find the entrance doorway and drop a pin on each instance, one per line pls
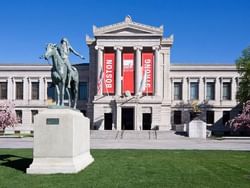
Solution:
(127, 118)
(108, 121)
(146, 121)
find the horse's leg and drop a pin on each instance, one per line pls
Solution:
(76, 94)
(57, 94)
(63, 91)
(69, 97)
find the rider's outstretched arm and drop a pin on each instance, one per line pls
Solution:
(75, 52)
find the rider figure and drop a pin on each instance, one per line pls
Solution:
(64, 50)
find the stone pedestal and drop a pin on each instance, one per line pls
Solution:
(197, 129)
(61, 142)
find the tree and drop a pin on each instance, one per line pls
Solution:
(7, 115)
(243, 66)
(242, 121)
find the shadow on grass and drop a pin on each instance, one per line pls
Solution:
(16, 162)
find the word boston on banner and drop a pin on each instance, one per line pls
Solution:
(109, 75)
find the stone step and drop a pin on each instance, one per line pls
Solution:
(131, 134)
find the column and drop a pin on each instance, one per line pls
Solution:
(184, 89)
(205, 88)
(188, 89)
(221, 89)
(217, 90)
(27, 93)
(166, 79)
(156, 72)
(118, 91)
(234, 89)
(99, 69)
(45, 97)
(9, 90)
(172, 89)
(41, 89)
(138, 69)
(13, 88)
(201, 89)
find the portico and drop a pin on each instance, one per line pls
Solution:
(129, 60)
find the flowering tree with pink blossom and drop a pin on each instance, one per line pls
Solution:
(242, 121)
(8, 116)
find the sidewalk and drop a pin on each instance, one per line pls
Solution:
(180, 142)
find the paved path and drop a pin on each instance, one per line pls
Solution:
(169, 143)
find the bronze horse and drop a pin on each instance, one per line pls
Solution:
(59, 77)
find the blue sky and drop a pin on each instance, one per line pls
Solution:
(205, 31)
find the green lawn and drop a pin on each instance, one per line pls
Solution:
(135, 168)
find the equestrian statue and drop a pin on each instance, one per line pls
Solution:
(64, 76)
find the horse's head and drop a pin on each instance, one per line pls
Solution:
(50, 50)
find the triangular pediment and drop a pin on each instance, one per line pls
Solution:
(128, 27)
(128, 30)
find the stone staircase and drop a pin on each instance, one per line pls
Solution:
(132, 135)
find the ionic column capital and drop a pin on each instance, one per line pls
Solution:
(99, 47)
(156, 48)
(138, 48)
(118, 48)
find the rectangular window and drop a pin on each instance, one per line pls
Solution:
(177, 117)
(226, 91)
(83, 91)
(19, 115)
(177, 91)
(210, 95)
(3, 90)
(210, 117)
(226, 117)
(194, 90)
(51, 95)
(35, 90)
(19, 90)
(33, 113)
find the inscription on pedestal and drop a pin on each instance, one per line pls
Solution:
(52, 121)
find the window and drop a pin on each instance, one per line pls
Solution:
(35, 90)
(177, 91)
(177, 117)
(226, 117)
(3, 90)
(19, 115)
(210, 95)
(33, 113)
(210, 117)
(19, 90)
(83, 91)
(194, 91)
(227, 91)
(51, 91)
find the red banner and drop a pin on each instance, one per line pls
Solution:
(128, 73)
(148, 72)
(108, 73)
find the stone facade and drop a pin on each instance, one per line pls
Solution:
(27, 74)
(175, 86)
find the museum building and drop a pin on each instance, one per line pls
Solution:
(130, 83)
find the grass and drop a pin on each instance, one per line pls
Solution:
(135, 168)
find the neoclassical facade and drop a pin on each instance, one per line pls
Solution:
(117, 100)
(130, 83)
